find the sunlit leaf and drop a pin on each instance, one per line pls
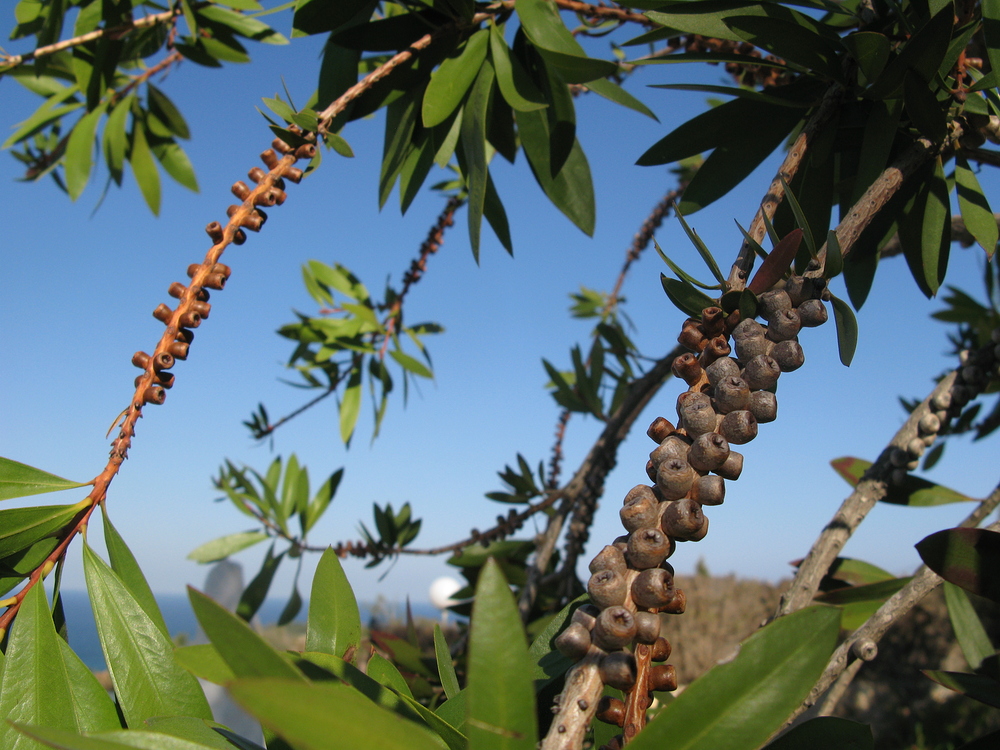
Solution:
(21, 480)
(334, 621)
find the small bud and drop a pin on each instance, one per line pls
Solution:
(708, 452)
(721, 369)
(607, 588)
(659, 429)
(615, 628)
(788, 355)
(573, 642)
(660, 650)
(709, 490)
(732, 468)
(162, 313)
(784, 326)
(731, 394)
(611, 711)
(771, 303)
(647, 626)
(618, 670)
(609, 558)
(140, 360)
(647, 548)
(163, 361)
(240, 190)
(764, 406)
(682, 519)
(674, 478)
(663, 678)
(761, 373)
(739, 427)
(813, 313)
(653, 588)
(640, 508)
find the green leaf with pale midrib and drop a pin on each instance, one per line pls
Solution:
(21, 480)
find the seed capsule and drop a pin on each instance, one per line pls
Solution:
(176, 290)
(256, 174)
(162, 313)
(713, 321)
(574, 641)
(269, 158)
(813, 313)
(682, 519)
(154, 395)
(647, 627)
(640, 508)
(696, 413)
(611, 711)
(653, 588)
(739, 427)
(660, 650)
(239, 237)
(614, 629)
(163, 361)
(279, 145)
(764, 406)
(673, 446)
(788, 355)
(771, 303)
(190, 319)
(663, 678)
(731, 394)
(618, 670)
(678, 604)
(761, 373)
(709, 490)
(659, 429)
(586, 615)
(784, 325)
(716, 348)
(721, 369)
(916, 447)
(609, 558)
(294, 174)
(687, 368)
(732, 468)
(140, 360)
(691, 336)
(929, 425)
(799, 289)
(674, 478)
(647, 548)
(750, 347)
(240, 190)
(708, 452)
(214, 231)
(607, 588)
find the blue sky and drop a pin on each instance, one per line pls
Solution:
(78, 290)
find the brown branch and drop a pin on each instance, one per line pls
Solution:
(115, 32)
(602, 11)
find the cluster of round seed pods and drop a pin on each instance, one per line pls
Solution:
(631, 581)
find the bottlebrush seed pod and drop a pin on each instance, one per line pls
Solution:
(784, 325)
(195, 267)
(769, 304)
(184, 336)
(202, 308)
(972, 374)
(647, 548)
(813, 313)
(713, 321)
(618, 670)
(163, 361)
(232, 209)
(709, 490)
(615, 743)
(708, 452)
(652, 589)
(273, 197)
(660, 650)
(640, 508)
(176, 290)
(721, 369)
(748, 329)
(154, 395)
(739, 427)
(607, 588)
(223, 269)
(574, 641)
(614, 629)
(941, 401)
(294, 174)
(254, 220)
(696, 413)
(239, 237)
(716, 348)
(663, 678)
(190, 319)
(215, 281)
(761, 373)
(162, 313)
(621, 543)
(731, 394)
(166, 379)
(750, 347)
(214, 231)
(667, 567)
(651, 470)
(916, 448)
(140, 360)
(673, 446)
(700, 533)
(678, 604)
(240, 190)
(763, 406)
(732, 467)
(799, 288)
(898, 457)
(609, 558)
(682, 518)
(674, 477)
(586, 615)
(611, 711)
(659, 429)
(279, 145)
(647, 627)
(200, 293)
(305, 151)
(138, 379)
(256, 174)
(692, 338)
(788, 355)
(929, 424)
(269, 158)
(687, 368)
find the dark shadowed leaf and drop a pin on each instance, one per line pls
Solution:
(969, 630)
(685, 296)
(914, 491)
(825, 733)
(976, 686)
(256, 591)
(515, 84)
(847, 330)
(969, 558)
(975, 209)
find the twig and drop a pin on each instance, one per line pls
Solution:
(577, 705)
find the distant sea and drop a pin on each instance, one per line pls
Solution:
(180, 619)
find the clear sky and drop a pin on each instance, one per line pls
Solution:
(78, 288)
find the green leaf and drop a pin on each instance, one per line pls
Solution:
(167, 112)
(334, 621)
(319, 16)
(826, 733)
(685, 297)
(256, 591)
(572, 188)
(935, 231)
(42, 117)
(144, 168)
(791, 41)
(410, 364)
(871, 51)
(21, 480)
(969, 630)
(446, 669)
(43, 682)
(544, 27)
(243, 25)
(119, 740)
(452, 79)
(701, 247)
(292, 608)
(350, 406)
(615, 93)
(473, 149)
(501, 698)
(975, 209)
(245, 653)
(224, 546)
(914, 491)
(176, 164)
(79, 158)
(991, 31)
(322, 716)
(385, 673)
(205, 662)
(496, 215)
(847, 330)
(22, 527)
(922, 54)
(834, 256)
(878, 591)
(969, 558)
(116, 137)
(976, 686)
(741, 703)
(856, 572)
(124, 564)
(518, 90)
(147, 679)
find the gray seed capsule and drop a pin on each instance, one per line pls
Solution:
(784, 325)
(652, 589)
(732, 468)
(788, 355)
(647, 548)
(708, 452)
(609, 558)
(640, 508)
(618, 670)
(739, 427)
(607, 588)
(813, 313)
(726, 367)
(614, 629)
(709, 490)
(574, 641)
(764, 406)
(682, 519)
(761, 373)
(731, 394)
(771, 303)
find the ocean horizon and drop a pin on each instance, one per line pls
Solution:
(180, 619)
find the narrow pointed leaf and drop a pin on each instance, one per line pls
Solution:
(123, 563)
(701, 247)
(976, 686)
(847, 330)
(826, 733)
(473, 144)
(446, 669)
(256, 591)
(79, 158)
(144, 168)
(777, 263)
(334, 621)
(975, 209)
(685, 297)
(518, 90)
(21, 480)
(452, 79)
(224, 546)
(800, 218)
(966, 557)
(834, 256)
(969, 630)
